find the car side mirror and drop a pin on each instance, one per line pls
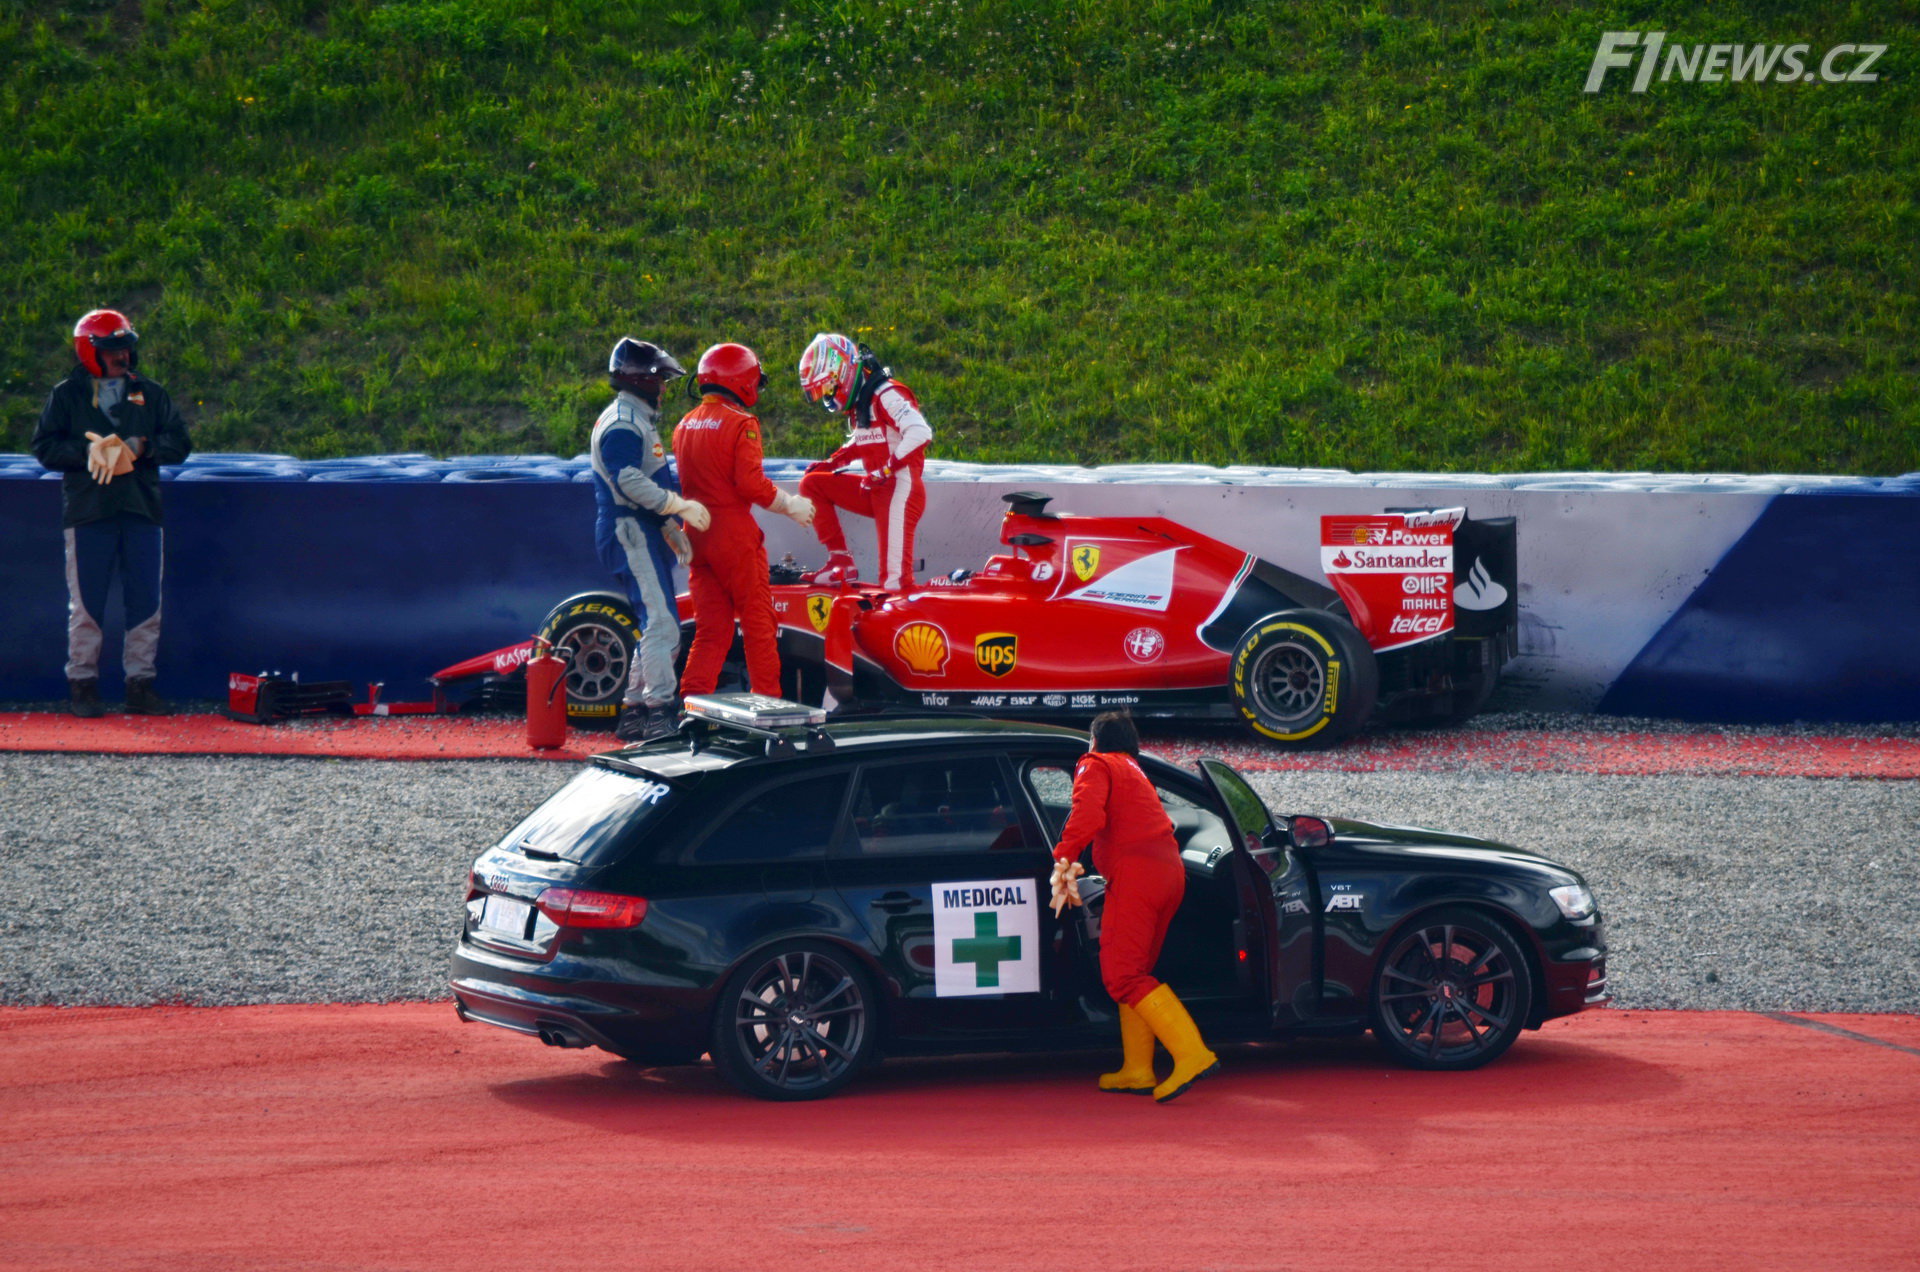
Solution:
(1309, 832)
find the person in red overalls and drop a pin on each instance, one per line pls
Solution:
(716, 447)
(889, 437)
(1116, 807)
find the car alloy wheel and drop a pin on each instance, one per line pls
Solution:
(1453, 992)
(795, 1023)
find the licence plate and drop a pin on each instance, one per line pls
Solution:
(505, 915)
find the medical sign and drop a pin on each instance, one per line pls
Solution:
(986, 937)
(1394, 571)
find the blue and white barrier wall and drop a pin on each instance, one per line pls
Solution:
(1729, 598)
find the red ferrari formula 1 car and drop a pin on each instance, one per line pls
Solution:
(1083, 614)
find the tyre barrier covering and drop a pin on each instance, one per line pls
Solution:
(1724, 596)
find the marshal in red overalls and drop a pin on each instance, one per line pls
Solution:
(1117, 808)
(717, 448)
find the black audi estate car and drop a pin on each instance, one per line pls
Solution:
(797, 898)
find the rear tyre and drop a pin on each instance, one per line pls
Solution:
(797, 1021)
(1453, 991)
(598, 636)
(1304, 678)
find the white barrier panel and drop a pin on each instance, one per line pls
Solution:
(1601, 570)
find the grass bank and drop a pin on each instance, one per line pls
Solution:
(1360, 235)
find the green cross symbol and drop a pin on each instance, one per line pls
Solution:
(986, 949)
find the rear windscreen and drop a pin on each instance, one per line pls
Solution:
(593, 818)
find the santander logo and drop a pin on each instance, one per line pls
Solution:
(1480, 591)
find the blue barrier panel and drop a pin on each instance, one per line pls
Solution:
(1813, 615)
(1703, 596)
(336, 580)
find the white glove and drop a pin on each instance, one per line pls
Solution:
(691, 511)
(799, 507)
(677, 540)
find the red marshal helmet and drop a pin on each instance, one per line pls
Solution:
(104, 329)
(732, 367)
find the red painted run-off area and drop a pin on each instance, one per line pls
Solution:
(393, 1137)
(1697, 754)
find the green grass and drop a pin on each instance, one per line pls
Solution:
(1316, 233)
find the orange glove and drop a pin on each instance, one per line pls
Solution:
(1066, 884)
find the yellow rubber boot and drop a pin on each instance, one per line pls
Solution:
(1168, 1019)
(1135, 1076)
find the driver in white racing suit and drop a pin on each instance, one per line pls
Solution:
(637, 527)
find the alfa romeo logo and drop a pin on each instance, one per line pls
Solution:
(1144, 644)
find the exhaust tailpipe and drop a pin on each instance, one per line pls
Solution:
(561, 1036)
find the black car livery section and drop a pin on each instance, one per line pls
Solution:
(797, 900)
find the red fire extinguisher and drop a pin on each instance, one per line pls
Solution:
(546, 698)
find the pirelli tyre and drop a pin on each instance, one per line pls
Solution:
(1304, 678)
(597, 634)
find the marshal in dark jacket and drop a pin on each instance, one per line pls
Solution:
(60, 443)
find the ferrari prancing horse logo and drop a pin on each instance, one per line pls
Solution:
(819, 610)
(1086, 560)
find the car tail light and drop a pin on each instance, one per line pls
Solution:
(582, 908)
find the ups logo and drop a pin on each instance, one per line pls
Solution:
(997, 653)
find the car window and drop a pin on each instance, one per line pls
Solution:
(1200, 832)
(1052, 788)
(940, 806)
(781, 823)
(593, 817)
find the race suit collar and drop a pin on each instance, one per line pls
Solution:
(647, 411)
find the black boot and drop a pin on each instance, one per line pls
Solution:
(632, 725)
(142, 700)
(83, 699)
(643, 724)
(662, 722)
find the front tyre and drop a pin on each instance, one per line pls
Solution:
(598, 636)
(1304, 678)
(1453, 991)
(795, 1022)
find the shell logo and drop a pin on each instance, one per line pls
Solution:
(923, 648)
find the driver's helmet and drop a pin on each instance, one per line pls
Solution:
(830, 371)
